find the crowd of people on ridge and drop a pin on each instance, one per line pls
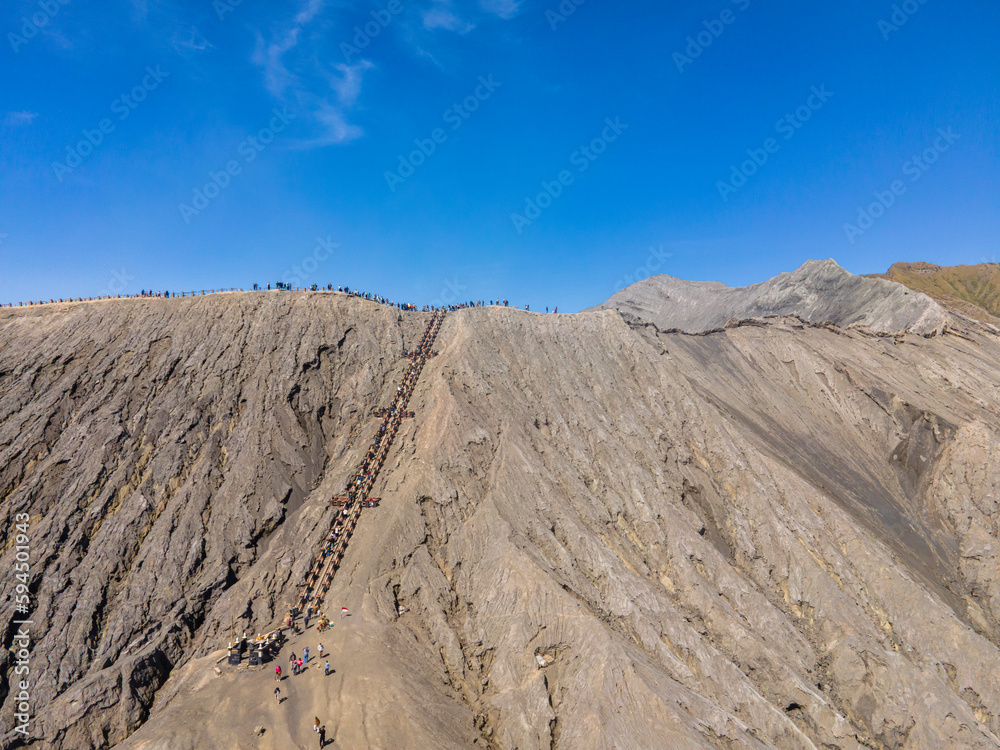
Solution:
(282, 286)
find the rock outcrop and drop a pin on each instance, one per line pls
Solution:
(818, 292)
(595, 533)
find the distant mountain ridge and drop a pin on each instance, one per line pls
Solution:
(818, 291)
(971, 290)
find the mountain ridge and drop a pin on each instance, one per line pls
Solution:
(818, 291)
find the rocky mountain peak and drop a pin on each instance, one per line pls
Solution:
(819, 291)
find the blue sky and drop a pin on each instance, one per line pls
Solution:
(467, 149)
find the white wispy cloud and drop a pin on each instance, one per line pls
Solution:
(441, 16)
(348, 83)
(330, 127)
(452, 16)
(290, 56)
(16, 119)
(331, 121)
(506, 9)
(291, 67)
(190, 39)
(270, 55)
(308, 13)
(335, 128)
(425, 38)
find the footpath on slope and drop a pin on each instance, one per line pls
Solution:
(360, 484)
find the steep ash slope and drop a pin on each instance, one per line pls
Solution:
(777, 535)
(157, 445)
(717, 539)
(819, 292)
